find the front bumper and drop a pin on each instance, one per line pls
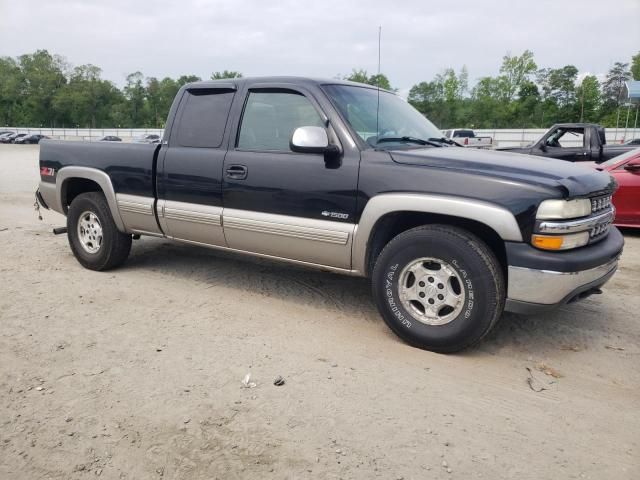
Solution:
(539, 281)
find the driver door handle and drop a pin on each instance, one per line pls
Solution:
(237, 172)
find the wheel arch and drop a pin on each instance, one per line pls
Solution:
(388, 215)
(72, 181)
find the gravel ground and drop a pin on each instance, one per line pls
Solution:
(137, 373)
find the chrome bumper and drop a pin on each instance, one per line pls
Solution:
(529, 288)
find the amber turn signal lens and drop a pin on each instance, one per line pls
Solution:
(547, 242)
(560, 242)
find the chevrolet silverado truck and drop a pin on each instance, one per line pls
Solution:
(573, 142)
(347, 178)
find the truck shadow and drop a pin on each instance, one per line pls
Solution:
(570, 327)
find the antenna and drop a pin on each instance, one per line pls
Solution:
(378, 84)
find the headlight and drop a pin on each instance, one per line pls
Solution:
(560, 242)
(562, 209)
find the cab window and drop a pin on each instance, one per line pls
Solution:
(270, 118)
(203, 117)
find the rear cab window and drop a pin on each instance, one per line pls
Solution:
(464, 134)
(203, 117)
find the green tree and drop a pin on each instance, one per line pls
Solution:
(588, 95)
(44, 75)
(135, 94)
(361, 76)
(153, 96)
(12, 83)
(526, 107)
(487, 103)
(558, 97)
(614, 85)
(428, 99)
(515, 70)
(86, 98)
(635, 66)
(613, 92)
(184, 79)
(225, 74)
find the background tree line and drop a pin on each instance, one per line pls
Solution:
(525, 96)
(41, 89)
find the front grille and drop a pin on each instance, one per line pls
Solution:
(599, 232)
(599, 204)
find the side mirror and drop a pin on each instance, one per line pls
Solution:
(633, 167)
(543, 147)
(309, 140)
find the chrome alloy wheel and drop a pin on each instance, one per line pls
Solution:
(431, 290)
(89, 232)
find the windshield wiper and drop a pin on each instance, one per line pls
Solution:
(419, 141)
(444, 140)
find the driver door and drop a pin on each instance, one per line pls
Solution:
(281, 203)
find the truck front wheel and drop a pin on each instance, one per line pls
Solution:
(438, 287)
(94, 238)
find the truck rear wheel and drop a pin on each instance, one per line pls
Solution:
(438, 287)
(93, 236)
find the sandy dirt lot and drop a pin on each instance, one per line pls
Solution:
(137, 373)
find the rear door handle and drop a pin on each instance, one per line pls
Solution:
(237, 172)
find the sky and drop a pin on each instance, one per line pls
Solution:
(322, 38)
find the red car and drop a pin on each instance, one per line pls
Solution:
(626, 170)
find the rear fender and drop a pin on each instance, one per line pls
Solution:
(98, 176)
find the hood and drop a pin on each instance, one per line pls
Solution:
(515, 149)
(574, 180)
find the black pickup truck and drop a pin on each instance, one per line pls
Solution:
(343, 177)
(573, 142)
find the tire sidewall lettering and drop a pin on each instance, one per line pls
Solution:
(394, 306)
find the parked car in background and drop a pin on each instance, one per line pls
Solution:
(467, 138)
(633, 141)
(626, 170)
(30, 139)
(149, 138)
(12, 137)
(6, 132)
(573, 142)
(110, 138)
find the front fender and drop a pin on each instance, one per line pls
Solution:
(498, 218)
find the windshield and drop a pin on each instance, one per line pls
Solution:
(396, 119)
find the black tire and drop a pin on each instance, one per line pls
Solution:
(115, 246)
(470, 258)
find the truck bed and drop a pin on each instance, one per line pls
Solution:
(130, 165)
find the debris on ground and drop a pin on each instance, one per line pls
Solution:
(246, 381)
(547, 370)
(572, 348)
(533, 383)
(279, 381)
(613, 347)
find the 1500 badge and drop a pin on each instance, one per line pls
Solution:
(343, 216)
